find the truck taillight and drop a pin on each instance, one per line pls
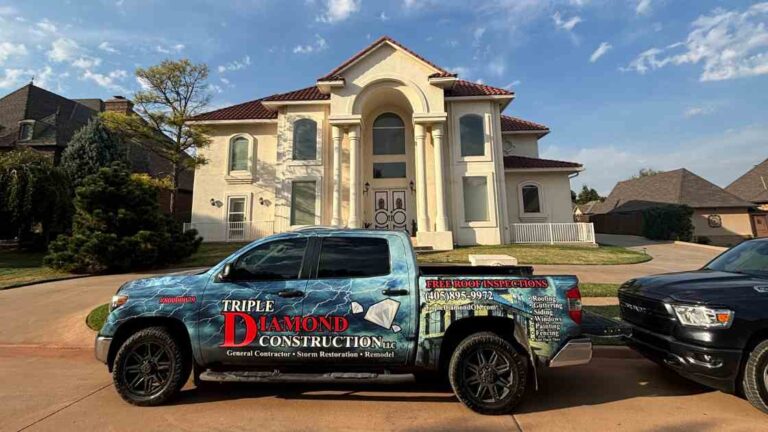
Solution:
(574, 304)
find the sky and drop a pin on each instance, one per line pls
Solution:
(622, 84)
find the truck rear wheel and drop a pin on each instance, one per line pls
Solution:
(150, 368)
(756, 377)
(487, 374)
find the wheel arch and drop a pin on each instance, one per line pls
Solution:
(128, 328)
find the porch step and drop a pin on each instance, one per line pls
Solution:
(277, 376)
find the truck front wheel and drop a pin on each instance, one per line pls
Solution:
(150, 368)
(756, 377)
(487, 374)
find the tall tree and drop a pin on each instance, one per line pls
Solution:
(172, 92)
(91, 148)
(587, 194)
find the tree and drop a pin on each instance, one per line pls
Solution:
(588, 194)
(91, 148)
(172, 92)
(118, 226)
(573, 196)
(646, 172)
(35, 197)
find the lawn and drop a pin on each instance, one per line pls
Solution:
(95, 319)
(17, 267)
(609, 311)
(598, 289)
(209, 254)
(542, 254)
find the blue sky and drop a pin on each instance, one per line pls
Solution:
(623, 84)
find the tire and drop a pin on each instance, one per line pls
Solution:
(487, 374)
(755, 382)
(150, 368)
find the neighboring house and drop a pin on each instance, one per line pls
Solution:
(753, 186)
(36, 118)
(718, 216)
(386, 140)
(582, 212)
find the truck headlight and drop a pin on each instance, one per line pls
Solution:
(702, 316)
(117, 301)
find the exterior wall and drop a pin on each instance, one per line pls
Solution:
(736, 225)
(554, 193)
(521, 145)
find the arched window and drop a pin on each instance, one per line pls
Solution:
(388, 135)
(472, 135)
(304, 140)
(238, 154)
(531, 198)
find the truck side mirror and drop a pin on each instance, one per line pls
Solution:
(226, 272)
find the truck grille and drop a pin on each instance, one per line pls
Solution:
(645, 312)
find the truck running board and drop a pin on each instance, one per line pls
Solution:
(276, 376)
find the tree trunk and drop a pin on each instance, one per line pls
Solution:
(174, 188)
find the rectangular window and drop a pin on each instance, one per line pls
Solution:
(238, 160)
(389, 170)
(26, 131)
(475, 199)
(347, 257)
(531, 202)
(303, 196)
(236, 219)
(304, 140)
(277, 260)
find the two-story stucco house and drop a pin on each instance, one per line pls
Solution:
(387, 140)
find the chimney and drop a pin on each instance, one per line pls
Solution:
(119, 104)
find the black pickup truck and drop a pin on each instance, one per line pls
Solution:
(709, 325)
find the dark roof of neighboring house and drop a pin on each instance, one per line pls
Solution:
(334, 74)
(587, 207)
(522, 162)
(514, 124)
(672, 187)
(753, 185)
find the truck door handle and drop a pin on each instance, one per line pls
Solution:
(290, 293)
(394, 292)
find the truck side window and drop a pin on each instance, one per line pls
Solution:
(347, 257)
(276, 260)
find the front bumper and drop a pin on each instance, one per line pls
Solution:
(714, 367)
(101, 348)
(575, 352)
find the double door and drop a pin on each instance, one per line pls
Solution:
(390, 210)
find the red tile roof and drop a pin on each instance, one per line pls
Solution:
(305, 94)
(443, 75)
(467, 88)
(244, 111)
(332, 75)
(522, 162)
(514, 124)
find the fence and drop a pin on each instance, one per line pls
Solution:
(629, 223)
(233, 231)
(553, 233)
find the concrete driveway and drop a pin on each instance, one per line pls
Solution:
(667, 257)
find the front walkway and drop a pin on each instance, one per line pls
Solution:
(667, 257)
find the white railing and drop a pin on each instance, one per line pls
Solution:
(552, 233)
(233, 231)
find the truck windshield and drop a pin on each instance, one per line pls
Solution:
(750, 257)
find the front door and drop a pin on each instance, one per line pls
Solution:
(390, 210)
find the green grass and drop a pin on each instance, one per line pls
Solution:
(95, 319)
(610, 311)
(598, 289)
(542, 254)
(19, 267)
(209, 254)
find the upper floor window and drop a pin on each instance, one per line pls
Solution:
(304, 140)
(472, 135)
(531, 198)
(26, 130)
(238, 154)
(388, 135)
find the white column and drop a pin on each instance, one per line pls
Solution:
(421, 180)
(441, 222)
(336, 136)
(354, 176)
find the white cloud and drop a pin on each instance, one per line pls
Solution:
(338, 10)
(14, 77)
(695, 111)
(462, 71)
(512, 85)
(497, 66)
(729, 44)
(705, 156)
(477, 34)
(600, 51)
(643, 7)
(108, 81)
(383, 16)
(565, 24)
(8, 50)
(63, 49)
(319, 45)
(105, 46)
(169, 49)
(86, 62)
(7, 10)
(46, 26)
(235, 65)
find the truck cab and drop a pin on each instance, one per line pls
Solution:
(330, 304)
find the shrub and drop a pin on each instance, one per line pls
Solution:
(118, 226)
(91, 148)
(668, 222)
